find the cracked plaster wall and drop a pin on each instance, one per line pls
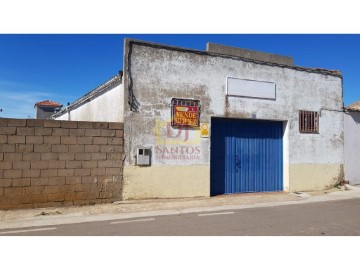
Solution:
(159, 74)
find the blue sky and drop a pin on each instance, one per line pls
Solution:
(63, 67)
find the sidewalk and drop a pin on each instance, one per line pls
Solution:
(142, 208)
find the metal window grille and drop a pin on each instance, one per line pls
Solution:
(308, 122)
(182, 102)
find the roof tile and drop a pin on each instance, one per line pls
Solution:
(48, 103)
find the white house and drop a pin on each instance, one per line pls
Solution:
(227, 120)
(352, 143)
(104, 103)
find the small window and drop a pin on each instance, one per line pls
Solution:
(308, 122)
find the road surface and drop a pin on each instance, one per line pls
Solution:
(333, 218)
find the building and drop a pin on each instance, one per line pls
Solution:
(221, 121)
(352, 143)
(216, 122)
(104, 103)
(45, 109)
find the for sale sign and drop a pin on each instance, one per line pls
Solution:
(185, 113)
(186, 116)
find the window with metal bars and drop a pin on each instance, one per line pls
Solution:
(308, 122)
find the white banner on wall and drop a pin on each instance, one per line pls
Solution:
(250, 88)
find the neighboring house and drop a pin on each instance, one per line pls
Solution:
(218, 122)
(352, 143)
(45, 109)
(104, 103)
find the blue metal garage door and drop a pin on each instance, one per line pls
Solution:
(246, 156)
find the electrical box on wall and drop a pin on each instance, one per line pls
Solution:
(143, 156)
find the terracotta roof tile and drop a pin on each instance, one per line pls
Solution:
(48, 103)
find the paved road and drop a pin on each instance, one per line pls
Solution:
(338, 218)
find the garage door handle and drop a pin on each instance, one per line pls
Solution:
(237, 163)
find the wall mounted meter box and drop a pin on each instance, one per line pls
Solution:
(143, 156)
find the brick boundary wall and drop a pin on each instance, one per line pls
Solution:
(45, 163)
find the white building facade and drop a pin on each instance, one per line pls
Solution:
(104, 103)
(352, 143)
(217, 123)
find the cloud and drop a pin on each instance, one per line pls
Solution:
(20, 105)
(17, 99)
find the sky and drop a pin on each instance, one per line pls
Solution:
(64, 67)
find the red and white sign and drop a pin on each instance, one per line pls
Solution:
(185, 116)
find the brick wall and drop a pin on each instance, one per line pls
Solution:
(52, 163)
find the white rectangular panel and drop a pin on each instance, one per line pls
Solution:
(250, 88)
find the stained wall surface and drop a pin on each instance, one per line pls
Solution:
(181, 158)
